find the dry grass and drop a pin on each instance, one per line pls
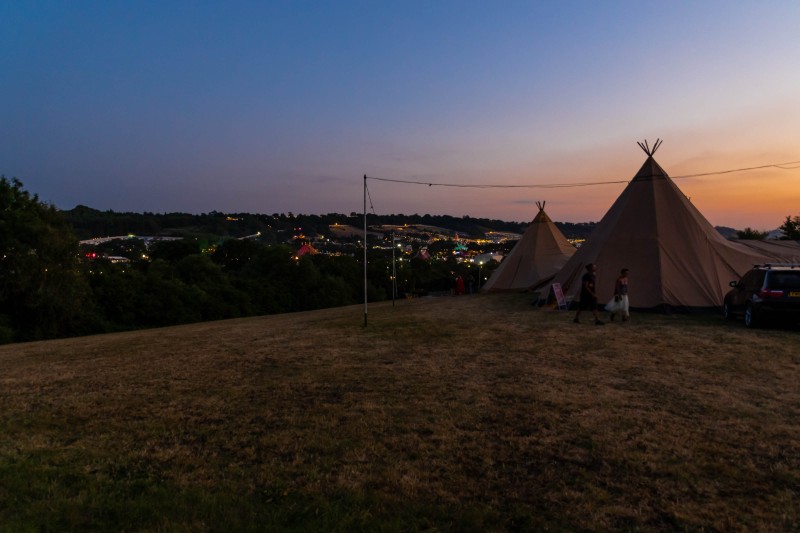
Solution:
(468, 413)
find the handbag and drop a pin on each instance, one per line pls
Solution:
(614, 304)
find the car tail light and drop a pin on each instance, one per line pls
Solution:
(770, 293)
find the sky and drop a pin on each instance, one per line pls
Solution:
(284, 106)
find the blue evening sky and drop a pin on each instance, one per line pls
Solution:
(284, 106)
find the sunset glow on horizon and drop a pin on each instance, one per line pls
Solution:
(280, 107)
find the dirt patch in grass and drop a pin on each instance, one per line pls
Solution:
(475, 412)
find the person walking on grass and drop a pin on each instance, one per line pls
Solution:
(588, 299)
(459, 285)
(619, 303)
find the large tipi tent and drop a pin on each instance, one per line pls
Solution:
(675, 256)
(538, 255)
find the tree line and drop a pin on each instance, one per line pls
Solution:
(89, 223)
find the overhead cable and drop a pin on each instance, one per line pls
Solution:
(781, 166)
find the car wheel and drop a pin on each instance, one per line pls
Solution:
(749, 317)
(726, 311)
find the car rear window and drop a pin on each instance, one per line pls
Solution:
(785, 280)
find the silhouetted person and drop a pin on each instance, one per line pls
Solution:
(588, 298)
(459, 285)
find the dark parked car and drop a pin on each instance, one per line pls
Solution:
(766, 294)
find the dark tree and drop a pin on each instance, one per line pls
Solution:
(791, 228)
(42, 292)
(174, 251)
(751, 234)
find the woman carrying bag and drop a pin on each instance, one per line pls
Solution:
(619, 303)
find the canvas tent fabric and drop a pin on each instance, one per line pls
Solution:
(306, 249)
(534, 260)
(675, 256)
(790, 250)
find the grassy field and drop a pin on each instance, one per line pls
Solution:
(448, 414)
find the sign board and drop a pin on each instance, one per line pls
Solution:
(562, 302)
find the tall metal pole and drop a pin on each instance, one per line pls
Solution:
(365, 250)
(394, 274)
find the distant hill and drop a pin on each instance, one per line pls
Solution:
(728, 233)
(278, 227)
(89, 223)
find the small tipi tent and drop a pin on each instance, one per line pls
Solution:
(538, 255)
(675, 256)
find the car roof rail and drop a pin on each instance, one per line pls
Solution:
(784, 265)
